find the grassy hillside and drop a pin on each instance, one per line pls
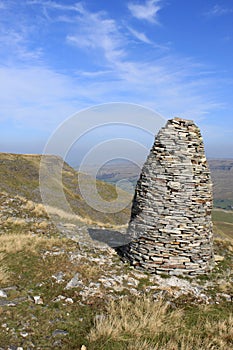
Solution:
(223, 223)
(19, 175)
(56, 293)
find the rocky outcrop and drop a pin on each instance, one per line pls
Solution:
(171, 214)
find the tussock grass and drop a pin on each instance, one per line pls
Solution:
(29, 205)
(143, 318)
(43, 225)
(15, 221)
(147, 324)
(4, 273)
(13, 243)
(226, 243)
(74, 218)
(39, 210)
(66, 216)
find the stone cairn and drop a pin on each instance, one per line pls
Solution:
(171, 213)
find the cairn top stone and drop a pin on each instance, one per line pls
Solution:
(171, 213)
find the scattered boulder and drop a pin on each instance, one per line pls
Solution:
(74, 282)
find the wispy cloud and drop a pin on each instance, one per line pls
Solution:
(143, 38)
(147, 11)
(39, 96)
(140, 36)
(78, 7)
(16, 42)
(94, 74)
(17, 36)
(117, 73)
(96, 31)
(218, 10)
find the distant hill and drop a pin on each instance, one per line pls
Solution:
(222, 177)
(125, 174)
(221, 174)
(19, 175)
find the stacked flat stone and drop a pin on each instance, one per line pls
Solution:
(171, 213)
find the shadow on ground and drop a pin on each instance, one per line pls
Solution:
(112, 238)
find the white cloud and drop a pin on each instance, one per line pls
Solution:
(94, 74)
(165, 84)
(17, 35)
(147, 12)
(78, 7)
(41, 97)
(218, 10)
(38, 96)
(140, 36)
(16, 43)
(95, 31)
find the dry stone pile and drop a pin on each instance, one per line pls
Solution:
(171, 214)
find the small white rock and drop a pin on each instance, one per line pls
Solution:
(69, 300)
(2, 294)
(74, 282)
(38, 300)
(24, 334)
(59, 298)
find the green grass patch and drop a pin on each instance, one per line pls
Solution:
(223, 216)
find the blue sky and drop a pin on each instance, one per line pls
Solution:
(59, 57)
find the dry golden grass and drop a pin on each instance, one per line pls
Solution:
(66, 216)
(142, 345)
(29, 205)
(221, 331)
(43, 225)
(76, 218)
(13, 243)
(39, 210)
(227, 242)
(4, 274)
(142, 318)
(150, 325)
(15, 221)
